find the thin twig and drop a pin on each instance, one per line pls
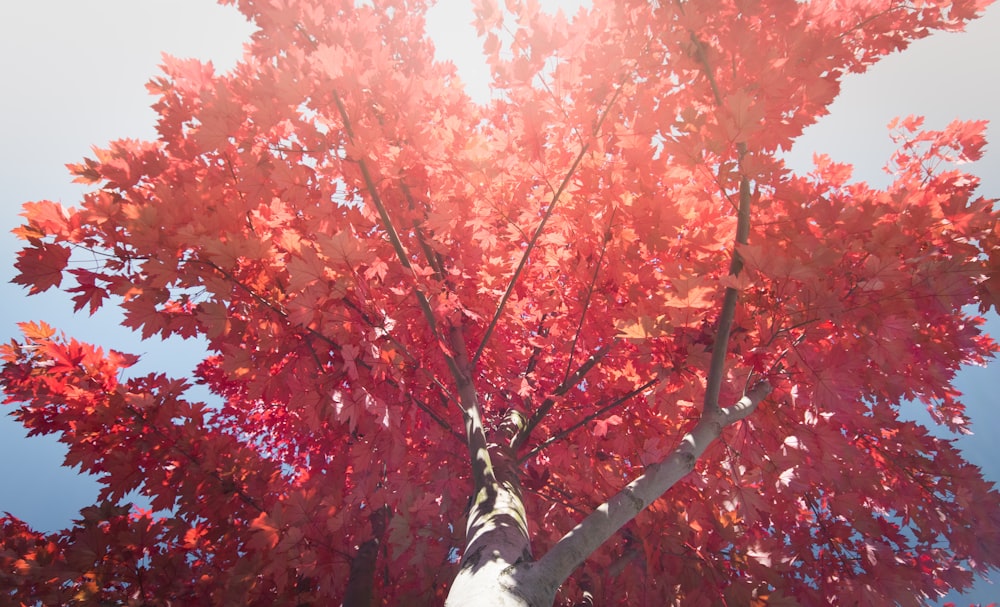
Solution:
(316, 334)
(563, 433)
(538, 231)
(587, 298)
(390, 229)
(568, 384)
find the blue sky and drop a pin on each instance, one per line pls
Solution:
(74, 75)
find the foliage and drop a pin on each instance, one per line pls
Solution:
(413, 303)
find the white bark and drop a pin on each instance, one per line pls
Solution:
(574, 547)
(493, 575)
(496, 566)
(496, 584)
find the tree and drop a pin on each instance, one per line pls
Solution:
(591, 343)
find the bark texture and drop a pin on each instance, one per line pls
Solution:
(495, 574)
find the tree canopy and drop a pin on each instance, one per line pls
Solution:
(589, 341)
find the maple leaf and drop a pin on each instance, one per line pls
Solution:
(215, 317)
(36, 331)
(307, 269)
(601, 425)
(643, 328)
(343, 248)
(220, 118)
(40, 267)
(489, 16)
(89, 294)
(744, 115)
(46, 217)
(143, 314)
(266, 534)
(331, 60)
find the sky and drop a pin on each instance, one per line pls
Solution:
(73, 76)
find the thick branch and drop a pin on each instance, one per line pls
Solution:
(574, 547)
(720, 346)
(496, 534)
(360, 591)
(475, 434)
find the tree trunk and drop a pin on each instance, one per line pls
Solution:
(361, 582)
(497, 570)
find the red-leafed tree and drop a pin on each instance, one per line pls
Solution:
(589, 343)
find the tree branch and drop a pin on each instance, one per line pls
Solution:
(494, 506)
(360, 590)
(720, 346)
(587, 297)
(314, 333)
(580, 542)
(562, 433)
(482, 465)
(390, 229)
(536, 352)
(538, 231)
(527, 252)
(433, 259)
(568, 384)
(264, 302)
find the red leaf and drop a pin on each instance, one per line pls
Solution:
(89, 294)
(601, 426)
(265, 536)
(40, 267)
(45, 215)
